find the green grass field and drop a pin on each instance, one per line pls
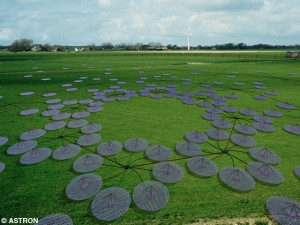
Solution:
(38, 190)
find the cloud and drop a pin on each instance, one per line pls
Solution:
(95, 21)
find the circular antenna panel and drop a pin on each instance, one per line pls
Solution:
(28, 112)
(84, 186)
(56, 125)
(245, 129)
(77, 123)
(80, 115)
(109, 148)
(264, 155)
(88, 139)
(61, 116)
(87, 163)
(56, 219)
(2, 166)
(32, 134)
(236, 178)
(35, 156)
(91, 128)
(297, 171)
(66, 152)
(202, 166)
(158, 153)
(265, 173)
(273, 113)
(222, 124)
(21, 147)
(3, 140)
(217, 134)
(284, 210)
(150, 195)
(248, 112)
(196, 136)
(293, 129)
(188, 148)
(168, 172)
(264, 127)
(136, 144)
(243, 140)
(111, 203)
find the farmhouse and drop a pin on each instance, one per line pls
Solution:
(37, 48)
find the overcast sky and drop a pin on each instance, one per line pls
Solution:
(82, 22)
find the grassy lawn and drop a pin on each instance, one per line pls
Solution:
(39, 190)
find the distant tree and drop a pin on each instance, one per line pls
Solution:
(21, 45)
(138, 46)
(47, 47)
(107, 46)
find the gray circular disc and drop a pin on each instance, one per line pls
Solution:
(263, 119)
(273, 113)
(136, 144)
(3, 140)
(61, 116)
(94, 109)
(265, 173)
(297, 171)
(80, 115)
(285, 106)
(202, 166)
(243, 140)
(284, 210)
(150, 195)
(210, 116)
(188, 148)
(111, 203)
(196, 136)
(56, 125)
(84, 186)
(167, 172)
(264, 155)
(77, 123)
(32, 134)
(293, 129)
(88, 139)
(66, 152)
(248, 112)
(109, 148)
(55, 107)
(264, 127)
(55, 219)
(91, 128)
(50, 112)
(28, 112)
(245, 129)
(158, 153)
(21, 147)
(222, 124)
(87, 163)
(70, 102)
(217, 134)
(236, 178)
(35, 156)
(2, 166)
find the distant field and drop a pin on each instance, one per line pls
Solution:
(38, 190)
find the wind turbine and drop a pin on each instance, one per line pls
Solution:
(189, 33)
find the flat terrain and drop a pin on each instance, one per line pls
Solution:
(38, 190)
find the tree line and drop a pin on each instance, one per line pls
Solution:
(22, 45)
